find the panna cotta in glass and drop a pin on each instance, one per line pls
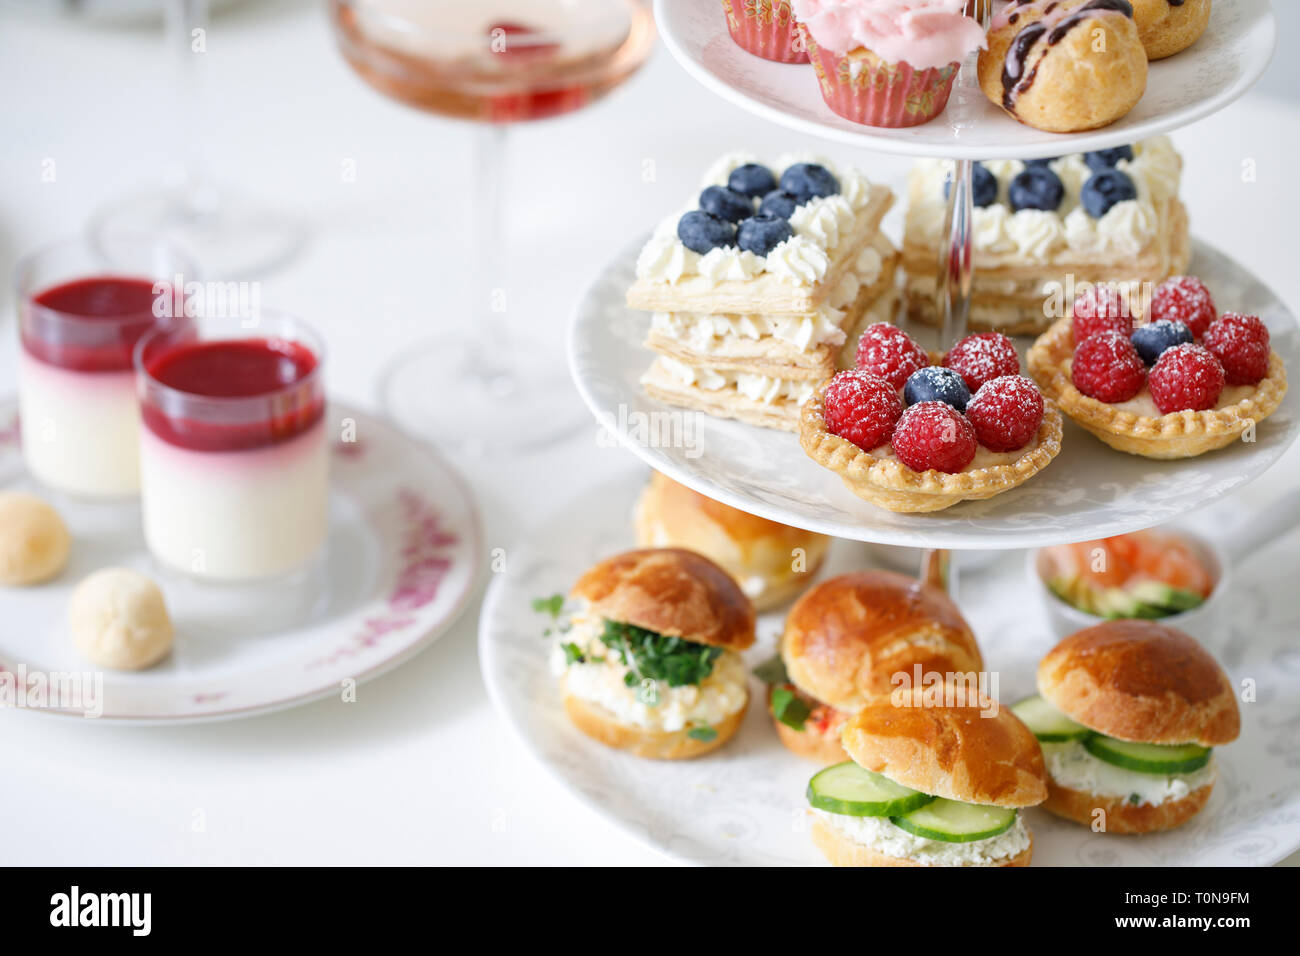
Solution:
(233, 446)
(81, 313)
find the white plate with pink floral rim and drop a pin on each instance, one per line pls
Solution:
(1223, 64)
(402, 560)
(744, 804)
(1088, 491)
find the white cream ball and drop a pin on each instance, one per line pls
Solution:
(119, 620)
(34, 541)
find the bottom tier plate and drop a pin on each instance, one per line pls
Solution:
(400, 565)
(1089, 491)
(744, 804)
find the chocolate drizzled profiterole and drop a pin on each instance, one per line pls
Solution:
(1064, 65)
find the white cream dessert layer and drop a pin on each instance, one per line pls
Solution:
(601, 681)
(703, 332)
(759, 388)
(1038, 235)
(236, 515)
(80, 430)
(882, 836)
(1072, 767)
(801, 260)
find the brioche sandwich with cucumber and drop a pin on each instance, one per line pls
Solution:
(649, 661)
(929, 785)
(1127, 713)
(843, 643)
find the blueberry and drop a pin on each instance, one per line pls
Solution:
(1152, 339)
(807, 181)
(1036, 187)
(778, 203)
(701, 232)
(751, 180)
(984, 186)
(761, 234)
(1107, 158)
(1041, 162)
(1104, 189)
(934, 383)
(725, 204)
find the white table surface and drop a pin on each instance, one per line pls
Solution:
(419, 769)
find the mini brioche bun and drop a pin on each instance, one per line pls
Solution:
(673, 592)
(1122, 816)
(747, 547)
(846, 638)
(812, 742)
(602, 725)
(841, 851)
(1143, 682)
(958, 752)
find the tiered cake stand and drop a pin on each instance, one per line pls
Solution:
(1090, 491)
(744, 806)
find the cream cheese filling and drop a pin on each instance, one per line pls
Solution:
(1072, 767)
(881, 835)
(653, 704)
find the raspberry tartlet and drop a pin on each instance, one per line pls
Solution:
(914, 437)
(1186, 382)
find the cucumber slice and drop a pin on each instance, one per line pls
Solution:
(1046, 722)
(1172, 600)
(853, 791)
(953, 822)
(1148, 758)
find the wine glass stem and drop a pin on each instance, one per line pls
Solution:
(489, 352)
(186, 36)
(956, 269)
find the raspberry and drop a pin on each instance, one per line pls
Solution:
(1240, 343)
(888, 352)
(1006, 412)
(861, 408)
(1184, 299)
(1098, 308)
(1187, 377)
(1108, 368)
(978, 358)
(934, 435)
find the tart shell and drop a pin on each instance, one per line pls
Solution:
(890, 484)
(1176, 435)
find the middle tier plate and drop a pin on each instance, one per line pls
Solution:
(1089, 491)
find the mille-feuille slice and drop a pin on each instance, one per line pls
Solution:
(1043, 225)
(760, 239)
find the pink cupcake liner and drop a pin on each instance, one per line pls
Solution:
(765, 28)
(878, 93)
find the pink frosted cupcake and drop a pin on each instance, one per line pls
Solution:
(765, 28)
(887, 62)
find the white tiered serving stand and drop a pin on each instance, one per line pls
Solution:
(1090, 490)
(742, 806)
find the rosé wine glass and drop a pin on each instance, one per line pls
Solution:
(493, 62)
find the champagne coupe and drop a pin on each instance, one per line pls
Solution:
(493, 62)
(231, 235)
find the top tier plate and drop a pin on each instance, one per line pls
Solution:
(1222, 65)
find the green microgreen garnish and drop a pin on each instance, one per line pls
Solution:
(573, 654)
(703, 733)
(552, 605)
(650, 656)
(772, 671)
(788, 708)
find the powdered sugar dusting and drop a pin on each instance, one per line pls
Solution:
(1184, 299)
(978, 358)
(1241, 344)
